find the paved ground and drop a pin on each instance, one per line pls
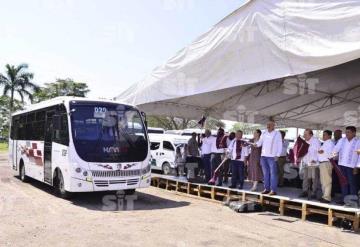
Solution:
(30, 215)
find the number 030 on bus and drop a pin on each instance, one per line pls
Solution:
(81, 145)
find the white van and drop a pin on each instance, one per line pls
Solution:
(162, 149)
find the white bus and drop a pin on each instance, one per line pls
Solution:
(81, 145)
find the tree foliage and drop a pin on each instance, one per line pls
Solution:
(16, 81)
(62, 87)
(5, 113)
(247, 128)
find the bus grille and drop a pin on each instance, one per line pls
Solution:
(118, 173)
(106, 183)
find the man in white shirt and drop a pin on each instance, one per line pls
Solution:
(310, 165)
(271, 144)
(348, 159)
(206, 154)
(282, 159)
(239, 152)
(216, 153)
(324, 154)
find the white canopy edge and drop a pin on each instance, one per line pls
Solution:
(263, 42)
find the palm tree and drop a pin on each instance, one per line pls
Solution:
(17, 80)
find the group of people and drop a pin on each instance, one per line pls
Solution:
(262, 159)
(340, 153)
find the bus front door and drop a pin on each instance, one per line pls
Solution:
(48, 146)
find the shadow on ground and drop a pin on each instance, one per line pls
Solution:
(114, 201)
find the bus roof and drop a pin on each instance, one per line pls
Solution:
(62, 99)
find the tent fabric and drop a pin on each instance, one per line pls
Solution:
(294, 60)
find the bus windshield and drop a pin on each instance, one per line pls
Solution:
(108, 132)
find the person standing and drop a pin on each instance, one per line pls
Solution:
(238, 154)
(225, 142)
(324, 154)
(309, 165)
(271, 147)
(180, 160)
(282, 158)
(254, 167)
(337, 136)
(336, 188)
(193, 152)
(216, 153)
(206, 154)
(193, 146)
(348, 159)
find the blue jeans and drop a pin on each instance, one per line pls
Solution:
(237, 168)
(350, 188)
(269, 168)
(207, 166)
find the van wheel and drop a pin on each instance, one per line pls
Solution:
(22, 174)
(166, 168)
(60, 186)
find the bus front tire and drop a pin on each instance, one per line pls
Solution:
(22, 174)
(59, 186)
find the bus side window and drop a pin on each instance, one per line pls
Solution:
(29, 133)
(38, 130)
(14, 133)
(22, 127)
(29, 130)
(39, 126)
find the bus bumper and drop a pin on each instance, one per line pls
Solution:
(110, 184)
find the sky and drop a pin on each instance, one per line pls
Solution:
(108, 44)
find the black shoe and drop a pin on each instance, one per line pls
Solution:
(322, 200)
(265, 192)
(272, 193)
(240, 187)
(219, 184)
(303, 194)
(232, 186)
(340, 202)
(313, 197)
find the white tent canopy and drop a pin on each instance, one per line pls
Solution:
(293, 60)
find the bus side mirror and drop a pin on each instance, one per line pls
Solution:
(57, 122)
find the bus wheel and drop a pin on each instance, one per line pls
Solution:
(22, 174)
(166, 168)
(60, 187)
(129, 192)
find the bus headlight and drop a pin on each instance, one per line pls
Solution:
(146, 170)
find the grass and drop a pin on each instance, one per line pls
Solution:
(3, 147)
